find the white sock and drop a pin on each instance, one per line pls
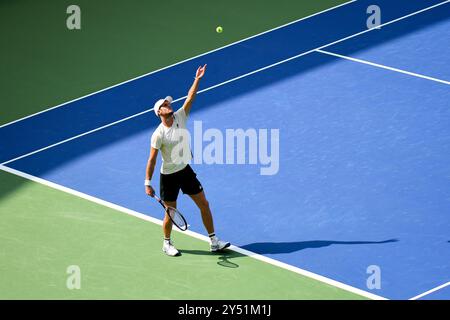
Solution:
(212, 237)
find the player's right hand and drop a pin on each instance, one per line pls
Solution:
(150, 191)
(200, 72)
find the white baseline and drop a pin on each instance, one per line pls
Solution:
(196, 235)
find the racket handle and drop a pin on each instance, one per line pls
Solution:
(160, 201)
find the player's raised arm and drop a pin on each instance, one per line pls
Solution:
(193, 91)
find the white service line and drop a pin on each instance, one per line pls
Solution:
(385, 24)
(75, 137)
(180, 62)
(223, 83)
(383, 66)
(196, 235)
(430, 291)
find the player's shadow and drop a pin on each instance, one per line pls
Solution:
(289, 247)
(226, 258)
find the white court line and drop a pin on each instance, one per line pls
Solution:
(78, 136)
(228, 81)
(196, 235)
(146, 111)
(383, 67)
(430, 291)
(180, 62)
(385, 24)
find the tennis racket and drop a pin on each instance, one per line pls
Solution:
(175, 216)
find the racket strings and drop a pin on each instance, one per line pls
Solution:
(176, 218)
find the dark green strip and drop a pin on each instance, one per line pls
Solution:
(45, 64)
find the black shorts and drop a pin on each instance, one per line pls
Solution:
(186, 180)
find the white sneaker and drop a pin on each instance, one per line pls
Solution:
(169, 249)
(217, 245)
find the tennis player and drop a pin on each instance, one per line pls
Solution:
(176, 174)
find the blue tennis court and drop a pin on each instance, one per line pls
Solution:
(364, 144)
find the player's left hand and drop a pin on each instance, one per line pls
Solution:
(200, 72)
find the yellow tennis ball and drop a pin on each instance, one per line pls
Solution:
(219, 29)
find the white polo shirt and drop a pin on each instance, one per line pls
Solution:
(166, 139)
